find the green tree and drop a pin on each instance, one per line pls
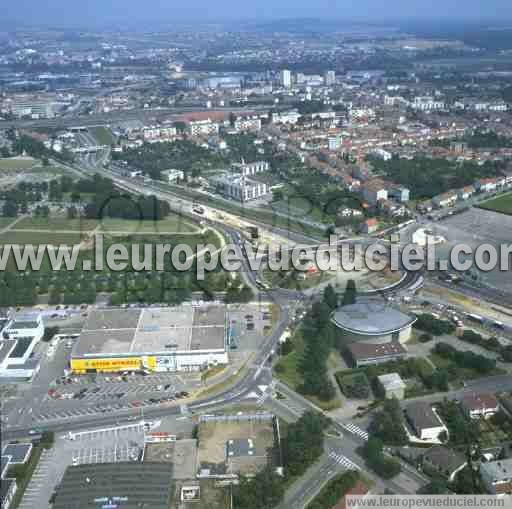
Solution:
(330, 297)
(349, 297)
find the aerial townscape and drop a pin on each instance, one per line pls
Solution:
(172, 381)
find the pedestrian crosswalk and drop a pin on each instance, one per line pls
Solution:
(343, 461)
(356, 430)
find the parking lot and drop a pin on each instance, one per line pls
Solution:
(96, 447)
(249, 324)
(93, 445)
(476, 227)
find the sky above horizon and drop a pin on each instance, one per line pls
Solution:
(99, 12)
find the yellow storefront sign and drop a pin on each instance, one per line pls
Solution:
(108, 365)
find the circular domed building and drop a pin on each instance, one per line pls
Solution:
(373, 321)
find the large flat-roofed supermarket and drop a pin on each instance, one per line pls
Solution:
(183, 338)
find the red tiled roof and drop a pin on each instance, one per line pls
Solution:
(479, 401)
(359, 489)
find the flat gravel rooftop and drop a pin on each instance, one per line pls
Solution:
(152, 330)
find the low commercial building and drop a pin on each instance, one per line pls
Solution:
(425, 422)
(373, 321)
(12, 454)
(497, 476)
(392, 385)
(183, 338)
(364, 354)
(119, 485)
(478, 406)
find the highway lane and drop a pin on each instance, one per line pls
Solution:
(116, 117)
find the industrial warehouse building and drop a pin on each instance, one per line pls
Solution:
(184, 338)
(374, 322)
(19, 337)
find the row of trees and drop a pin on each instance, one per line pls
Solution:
(429, 323)
(319, 338)
(27, 145)
(466, 359)
(153, 158)
(335, 489)
(169, 286)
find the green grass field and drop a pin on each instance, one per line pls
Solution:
(6, 221)
(24, 238)
(103, 135)
(57, 224)
(302, 208)
(501, 204)
(171, 224)
(17, 164)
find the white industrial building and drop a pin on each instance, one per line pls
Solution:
(172, 175)
(241, 188)
(19, 338)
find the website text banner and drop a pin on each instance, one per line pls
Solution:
(428, 501)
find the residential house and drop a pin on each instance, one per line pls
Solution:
(392, 209)
(465, 193)
(374, 190)
(445, 200)
(487, 185)
(446, 462)
(351, 183)
(424, 421)
(497, 476)
(476, 406)
(399, 193)
(369, 226)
